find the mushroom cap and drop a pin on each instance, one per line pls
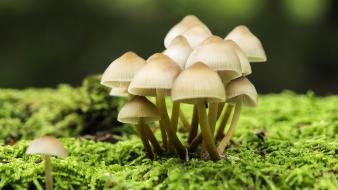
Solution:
(122, 70)
(186, 23)
(198, 83)
(138, 108)
(219, 56)
(179, 51)
(248, 42)
(159, 73)
(241, 89)
(119, 91)
(245, 64)
(196, 35)
(47, 145)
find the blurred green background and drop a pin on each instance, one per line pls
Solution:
(44, 43)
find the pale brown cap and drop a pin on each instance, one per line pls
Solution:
(198, 82)
(47, 145)
(119, 92)
(245, 64)
(242, 89)
(122, 70)
(196, 35)
(138, 108)
(219, 56)
(179, 51)
(186, 23)
(248, 42)
(159, 73)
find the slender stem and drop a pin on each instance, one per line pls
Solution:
(174, 115)
(224, 121)
(206, 132)
(162, 128)
(160, 95)
(194, 125)
(141, 131)
(225, 141)
(220, 109)
(48, 173)
(212, 116)
(184, 121)
(152, 139)
(194, 143)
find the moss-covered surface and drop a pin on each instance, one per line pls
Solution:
(288, 142)
(63, 112)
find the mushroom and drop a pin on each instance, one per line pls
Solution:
(119, 92)
(196, 85)
(197, 35)
(248, 42)
(186, 23)
(239, 92)
(139, 111)
(156, 79)
(47, 146)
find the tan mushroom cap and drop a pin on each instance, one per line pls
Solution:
(119, 92)
(186, 23)
(196, 35)
(122, 70)
(242, 89)
(47, 145)
(179, 51)
(198, 82)
(138, 108)
(245, 64)
(248, 42)
(219, 56)
(159, 73)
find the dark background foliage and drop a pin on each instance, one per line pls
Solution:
(45, 42)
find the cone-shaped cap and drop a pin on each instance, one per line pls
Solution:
(138, 108)
(47, 145)
(242, 89)
(179, 51)
(186, 23)
(219, 56)
(159, 73)
(245, 64)
(248, 42)
(197, 35)
(119, 91)
(198, 82)
(122, 70)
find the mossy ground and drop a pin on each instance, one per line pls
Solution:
(288, 142)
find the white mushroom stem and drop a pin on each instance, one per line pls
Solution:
(194, 125)
(48, 173)
(143, 136)
(206, 132)
(224, 121)
(212, 116)
(225, 141)
(184, 121)
(152, 139)
(174, 115)
(160, 95)
(162, 128)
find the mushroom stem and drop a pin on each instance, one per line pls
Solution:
(225, 141)
(212, 116)
(206, 132)
(175, 115)
(48, 173)
(224, 121)
(195, 142)
(184, 121)
(194, 125)
(162, 128)
(160, 95)
(152, 139)
(220, 109)
(142, 133)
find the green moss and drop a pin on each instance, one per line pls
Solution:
(63, 112)
(298, 150)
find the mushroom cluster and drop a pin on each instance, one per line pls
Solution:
(196, 68)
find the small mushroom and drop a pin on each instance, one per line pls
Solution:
(47, 146)
(248, 42)
(156, 79)
(119, 92)
(139, 111)
(239, 92)
(197, 35)
(179, 51)
(185, 24)
(245, 64)
(196, 85)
